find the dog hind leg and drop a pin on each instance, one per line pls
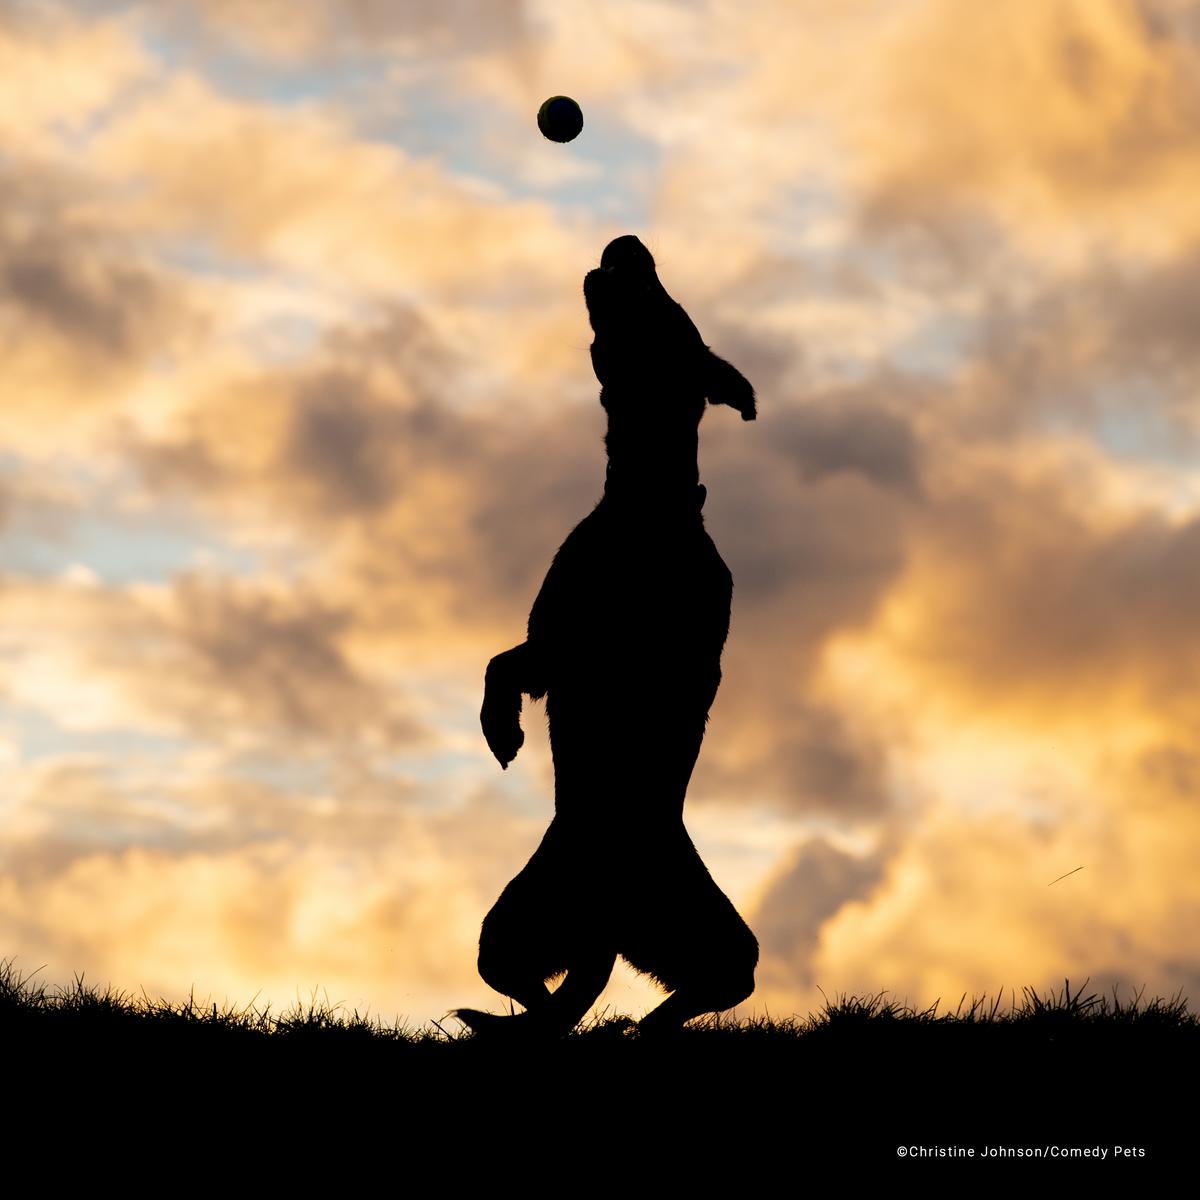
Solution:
(694, 942)
(547, 1014)
(704, 996)
(569, 1002)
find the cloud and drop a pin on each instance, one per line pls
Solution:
(815, 883)
(1010, 924)
(1029, 593)
(365, 450)
(1026, 682)
(57, 73)
(812, 512)
(835, 433)
(96, 304)
(317, 29)
(244, 306)
(203, 656)
(301, 190)
(1051, 116)
(382, 907)
(83, 311)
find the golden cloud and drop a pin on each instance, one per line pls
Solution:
(1051, 115)
(961, 654)
(57, 73)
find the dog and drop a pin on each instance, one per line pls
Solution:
(624, 642)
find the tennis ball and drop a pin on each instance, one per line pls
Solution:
(560, 119)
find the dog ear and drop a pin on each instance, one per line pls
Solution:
(725, 384)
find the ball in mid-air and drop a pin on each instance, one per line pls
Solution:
(560, 119)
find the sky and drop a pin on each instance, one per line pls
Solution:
(296, 407)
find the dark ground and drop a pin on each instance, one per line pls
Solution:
(106, 1087)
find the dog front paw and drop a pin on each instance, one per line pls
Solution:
(501, 722)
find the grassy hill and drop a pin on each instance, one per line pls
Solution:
(849, 1085)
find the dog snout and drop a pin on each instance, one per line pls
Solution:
(627, 254)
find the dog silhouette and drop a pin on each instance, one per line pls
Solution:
(624, 642)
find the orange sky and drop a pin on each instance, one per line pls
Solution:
(296, 407)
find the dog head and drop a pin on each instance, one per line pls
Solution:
(644, 340)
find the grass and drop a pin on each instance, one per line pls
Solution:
(863, 1075)
(34, 1008)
